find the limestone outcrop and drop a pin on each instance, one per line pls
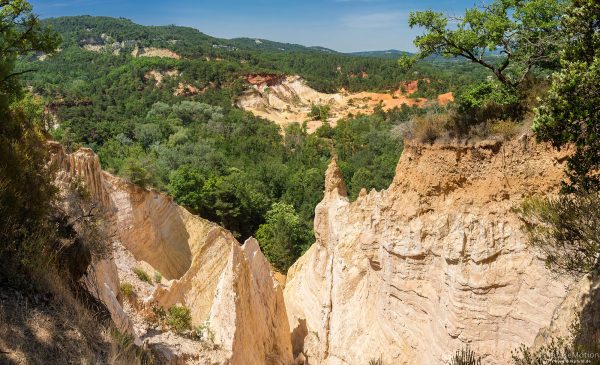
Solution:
(230, 289)
(436, 262)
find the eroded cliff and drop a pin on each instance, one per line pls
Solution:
(288, 99)
(435, 262)
(229, 288)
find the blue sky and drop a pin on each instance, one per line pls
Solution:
(343, 25)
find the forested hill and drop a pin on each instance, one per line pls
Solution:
(324, 69)
(157, 105)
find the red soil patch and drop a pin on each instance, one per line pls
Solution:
(262, 79)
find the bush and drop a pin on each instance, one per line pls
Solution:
(159, 314)
(179, 318)
(126, 289)
(566, 230)
(204, 333)
(427, 128)
(142, 275)
(157, 277)
(465, 357)
(320, 112)
(283, 236)
(481, 103)
(575, 348)
(505, 128)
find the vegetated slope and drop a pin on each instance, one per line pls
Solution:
(435, 262)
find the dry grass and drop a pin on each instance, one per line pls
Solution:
(428, 128)
(506, 129)
(56, 325)
(50, 327)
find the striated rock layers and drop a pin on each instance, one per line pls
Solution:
(437, 261)
(227, 286)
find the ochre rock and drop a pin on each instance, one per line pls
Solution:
(436, 262)
(229, 286)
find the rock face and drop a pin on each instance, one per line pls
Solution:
(288, 99)
(437, 261)
(229, 288)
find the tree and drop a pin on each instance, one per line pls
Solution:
(185, 186)
(20, 34)
(362, 178)
(136, 172)
(526, 34)
(283, 236)
(26, 189)
(570, 114)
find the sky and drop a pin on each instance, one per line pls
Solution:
(342, 25)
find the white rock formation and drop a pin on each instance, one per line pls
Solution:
(205, 268)
(433, 263)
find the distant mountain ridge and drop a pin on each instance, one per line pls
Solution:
(74, 28)
(390, 53)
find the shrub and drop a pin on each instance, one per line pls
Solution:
(427, 128)
(157, 277)
(158, 314)
(482, 103)
(320, 112)
(575, 348)
(566, 230)
(282, 236)
(204, 333)
(142, 275)
(126, 289)
(179, 318)
(465, 357)
(134, 170)
(505, 128)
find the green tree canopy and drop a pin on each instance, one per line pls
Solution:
(20, 34)
(525, 33)
(282, 237)
(570, 114)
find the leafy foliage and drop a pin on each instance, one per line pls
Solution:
(480, 103)
(126, 289)
(570, 113)
(179, 318)
(282, 237)
(525, 32)
(566, 230)
(320, 112)
(26, 191)
(142, 275)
